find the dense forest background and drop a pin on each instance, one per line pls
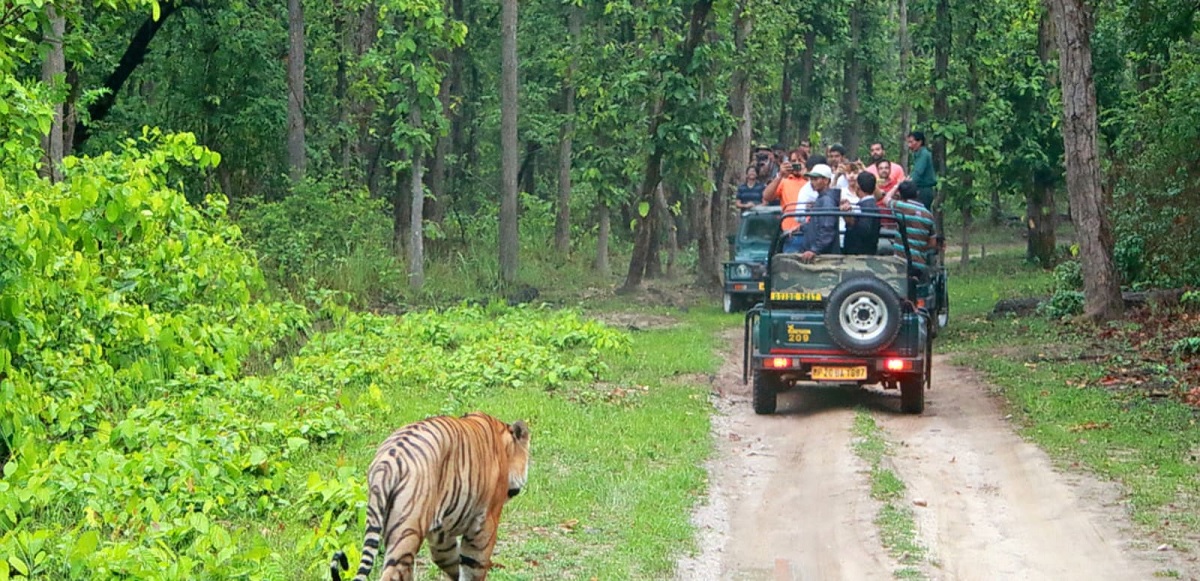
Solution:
(199, 200)
(335, 122)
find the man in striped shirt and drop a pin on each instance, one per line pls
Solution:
(918, 224)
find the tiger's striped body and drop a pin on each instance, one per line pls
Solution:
(441, 478)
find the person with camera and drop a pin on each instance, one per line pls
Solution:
(766, 164)
(785, 188)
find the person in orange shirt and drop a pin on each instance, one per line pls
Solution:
(785, 188)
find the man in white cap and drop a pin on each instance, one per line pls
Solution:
(820, 233)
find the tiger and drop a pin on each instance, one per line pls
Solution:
(441, 478)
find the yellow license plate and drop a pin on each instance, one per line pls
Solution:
(761, 286)
(838, 373)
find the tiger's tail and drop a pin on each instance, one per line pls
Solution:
(374, 536)
(337, 565)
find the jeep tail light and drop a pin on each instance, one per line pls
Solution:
(896, 365)
(780, 362)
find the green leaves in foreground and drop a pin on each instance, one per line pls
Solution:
(182, 482)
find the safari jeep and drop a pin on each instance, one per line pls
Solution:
(745, 275)
(843, 319)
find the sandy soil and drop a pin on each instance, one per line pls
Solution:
(789, 499)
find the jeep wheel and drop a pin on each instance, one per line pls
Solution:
(912, 394)
(863, 315)
(766, 393)
(731, 303)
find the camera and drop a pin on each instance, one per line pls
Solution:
(762, 156)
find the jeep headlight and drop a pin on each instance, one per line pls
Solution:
(741, 272)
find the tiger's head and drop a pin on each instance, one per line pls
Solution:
(517, 445)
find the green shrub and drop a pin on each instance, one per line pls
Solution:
(325, 236)
(1187, 345)
(1067, 299)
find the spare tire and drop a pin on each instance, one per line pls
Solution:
(863, 315)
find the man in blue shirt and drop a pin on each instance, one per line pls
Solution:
(820, 232)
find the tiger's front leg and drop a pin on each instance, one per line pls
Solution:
(476, 550)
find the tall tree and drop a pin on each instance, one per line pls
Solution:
(509, 233)
(53, 67)
(1073, 25)
(1040, 209)
(416, 231)
(297, 154)
(852, 127)
(664, 105)
(734, 152)
(562, 219)
(944, 37)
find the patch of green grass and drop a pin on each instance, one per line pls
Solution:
(616, 464)
(897, 529)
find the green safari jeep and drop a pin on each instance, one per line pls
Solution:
(844, 319)
(745, 275)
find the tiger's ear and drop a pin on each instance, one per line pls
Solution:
(519, 431)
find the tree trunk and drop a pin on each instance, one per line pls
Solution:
(851, 77)
(1042, 220)
(902, 80)
(436, 179)
(509, 233)
(941, 106)
(367, 148)
(1073, 21)
(670, 225)
(297, 155)
(605, 219)
(52, 69)
(785, 98)
(344, 153)
(966, 236)
(808, 89)
(735, 150)
(562, 219)
(996, 214)
(654, 265)
(1040, 210)
(416, 230)
(645, 228)
(401, 208)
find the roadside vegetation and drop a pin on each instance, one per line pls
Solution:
(1117, 399)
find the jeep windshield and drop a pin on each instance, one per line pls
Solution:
(757, 232)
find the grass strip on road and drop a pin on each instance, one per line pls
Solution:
(897, 528)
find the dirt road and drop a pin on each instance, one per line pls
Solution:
(789, 499)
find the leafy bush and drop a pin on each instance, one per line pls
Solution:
(125, 318)
(1068, 276)
(1067, 299)
(1156, 198)
(177, 486)
(1187, 345)
(325, 236)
